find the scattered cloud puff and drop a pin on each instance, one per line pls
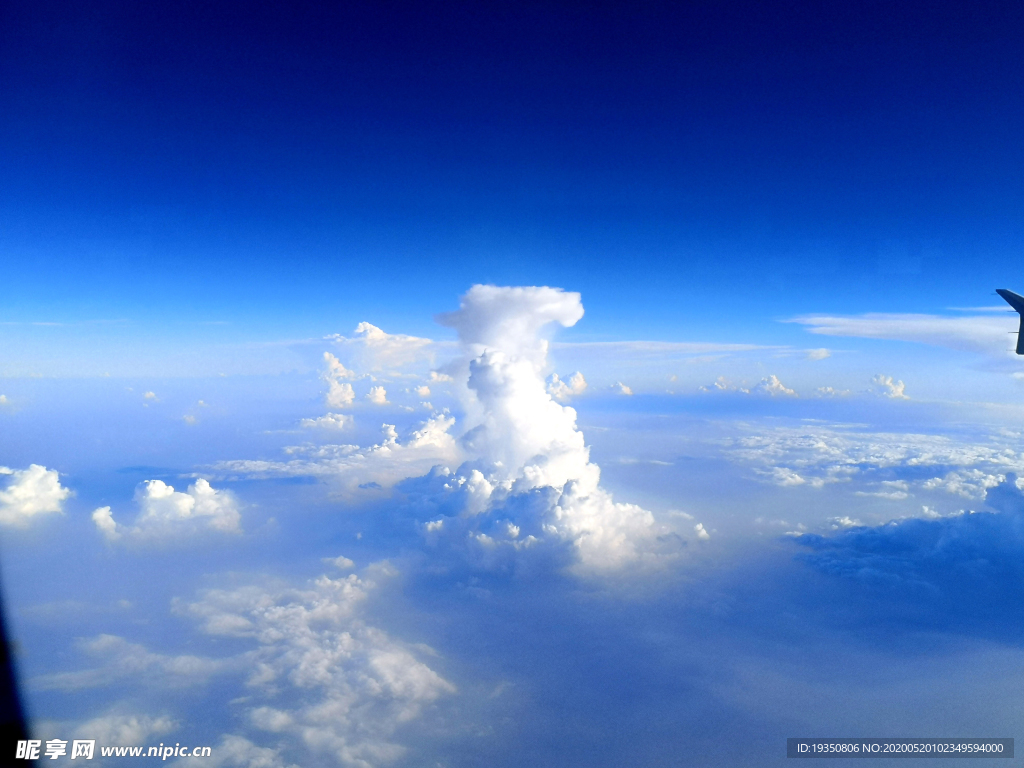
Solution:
(984, 334)
(334, 421)
(889, 388)
(818, 354)
(4, 401)
(30, 492)
(831, 392)
(564, 390)
(341, 562)
(621, 389)
(339, 392)
(773, 387)
(423, 391)
(770, 386)
(164, 512)
(377, 395)
(150, 396)
(321, 679)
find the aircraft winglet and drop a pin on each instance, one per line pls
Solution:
(1017, 302)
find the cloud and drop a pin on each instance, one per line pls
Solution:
(377, 396)
(770, 385)
(339, 392)
(30, 492)
(773, 387)
(531, 465)
(563, 390)
(318, 674)
(164, 512)
(831, 392)
(520, 463)
(122, 660)
(960, 572)
(340, 562)
(890, 388)
(151, 396)
(701, 533)
(423, 391)
(124, 730)
(334, 421)
(351, 466)
(818, 454)
(818, 354)
(621, 389)
(374, 350)
(975, 334)
(238, 752)
(4, 400)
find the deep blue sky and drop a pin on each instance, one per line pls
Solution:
(295, 167)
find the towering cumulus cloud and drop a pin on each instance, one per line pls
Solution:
(522, 440)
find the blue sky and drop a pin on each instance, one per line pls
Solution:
(511, 385)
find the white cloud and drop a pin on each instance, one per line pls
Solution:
(770, 385)
(333, 368)
(122, 660)
(890, 388)
(977, 334)
(377, 396)
(773, 387)
(374, 350)
(526, 439)
(238, 752)
(4, 400)
(621, 388)
(423, 391)
(702, 534)
(164, 512)
(819, 455)
(30, 492)
(831, 392)
(350, 466)
(968, 483)
(104, 521)
(151, 396)
(818, 354)
(515, 438)
(124, 730)
(351, 685)
(339, 392)
(341, 562)
(334, 421)
(563, 390)
(844, 522)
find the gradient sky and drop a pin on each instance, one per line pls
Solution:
(776, 229)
